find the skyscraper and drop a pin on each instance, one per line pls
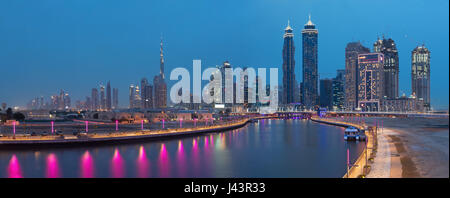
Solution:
(420, 74)
(370, 81)
(94, 99)
(246, 89)
(115, 96)
(131, 96)
(146, 94)
(159, 83)
(137, 100)
(288, 66)
(135, 97)
(66, 100)
(310, 68)
(225, 79)
(88, 103)
(108, 96)
(352, 51)
(326, 93)
(102, 98)
(338, 90)
(391, 66)
(61, 100)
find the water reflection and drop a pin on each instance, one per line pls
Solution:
(181, 160)
(272, 148)
(87, 165)
(14, 170)
(206, 142)
(211, 140)
(195, 157)
(117, 165)
(52, 168)
(164, 162)
(142, 163)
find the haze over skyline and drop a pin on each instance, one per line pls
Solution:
(50, 45)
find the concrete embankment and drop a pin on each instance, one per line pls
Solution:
(121, 137)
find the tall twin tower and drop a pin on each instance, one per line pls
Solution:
(308, 88)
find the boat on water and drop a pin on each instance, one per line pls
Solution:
(352, 133)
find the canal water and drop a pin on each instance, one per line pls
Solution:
(269, 148)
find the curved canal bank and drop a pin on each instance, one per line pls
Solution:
(361, 167)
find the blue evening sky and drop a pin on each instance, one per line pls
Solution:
(47, 45)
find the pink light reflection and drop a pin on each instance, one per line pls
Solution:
(52, 168)
(14, 170)
(195, 156)
(52, 126)
(142, 163)
(117, 165)
(87, 165)
(206, 142)
(194, 144)
(164, 162)
(181, 159)
(211, 139)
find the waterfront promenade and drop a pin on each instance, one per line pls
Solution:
(402, 147)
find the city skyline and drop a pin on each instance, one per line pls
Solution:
(123, 69)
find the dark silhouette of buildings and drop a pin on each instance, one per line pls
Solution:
(326, 93)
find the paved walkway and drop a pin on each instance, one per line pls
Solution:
(381, 168)
(387, 162)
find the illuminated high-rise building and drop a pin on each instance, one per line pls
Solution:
(102, 98)
(94, 99)
(420, 74)
(66, 101)
(352, 50)
(131, 96)
(61, 100)
(115, 97)
(137, 100)
(108, 96)
(391, 67)
(288, 66)
(370, 81)
(225, 79)
(146, 94)
(310, 64)
(160, 87)
(338, 90)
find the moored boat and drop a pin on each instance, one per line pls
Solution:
(351, 133)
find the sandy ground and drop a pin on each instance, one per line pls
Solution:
(418, 147)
